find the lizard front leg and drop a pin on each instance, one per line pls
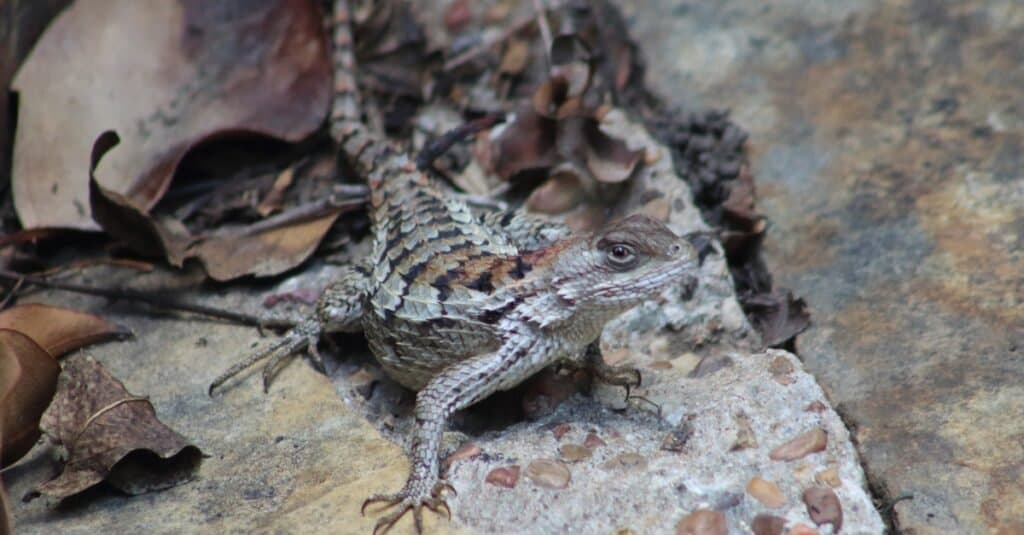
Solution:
(456, 387)
(339, 309)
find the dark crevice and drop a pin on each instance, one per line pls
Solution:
(881, 496)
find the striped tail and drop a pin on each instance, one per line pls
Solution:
(366, 151)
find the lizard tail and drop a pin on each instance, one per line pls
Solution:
(365, 149)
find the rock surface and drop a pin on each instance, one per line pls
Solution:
(305, 456)
(886, 139)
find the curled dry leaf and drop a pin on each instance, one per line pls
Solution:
(59, 330)
(94, 69)
(560, 193)
(778, 316)
(609, 159)
(515, 58)
(28, 379)
(111, 434)
(527, 142)
(264, 248)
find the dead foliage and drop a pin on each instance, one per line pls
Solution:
(110, 434)
(28, 379)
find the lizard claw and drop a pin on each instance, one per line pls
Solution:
(409, 500)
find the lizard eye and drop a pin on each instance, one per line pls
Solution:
(621, 255)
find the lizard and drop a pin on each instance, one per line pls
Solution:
(457, 305)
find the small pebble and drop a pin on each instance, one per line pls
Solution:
(828, 477)
(765, 524)
(709, 365)
(614, 358)
(592, 441)
(574, 452)
(685, 363)
(802, 445)
(651, 155)
(658, 348)
(780, 366)
(815, 406)
(560, 430)
(548, 473)
(506, 476)
(802, 529)
(676, 440)
(657, 209)
(661, 365)
(627, 461)
(766, 492)
(745, 438)
(824, 508)
(784, 380)
(702, 522)
(466, 451)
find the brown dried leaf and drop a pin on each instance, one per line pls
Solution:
(94, 70)
(264, 248)
(560, 193)
(275, 197)
(570, 60)
(28, 379)
(111, 434)
(778, 316)
(59, 330)
(528, 142)
(609, 159)
(516, 57)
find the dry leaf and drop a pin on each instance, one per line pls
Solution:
(778, 316)
(28, 379)
(560, 193)
(272, 201)
(528, 142)
(264, 248)
(111, 434)
(609, 159)
(59, 330)
(517, 55)
(167, 76)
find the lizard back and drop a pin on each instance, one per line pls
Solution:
(432, 261)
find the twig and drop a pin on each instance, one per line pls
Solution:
(545, 28)
(483, 47)
(149, 299)
(438, 146)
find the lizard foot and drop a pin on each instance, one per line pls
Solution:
(410, 499)
(627, 377)
(303, 335)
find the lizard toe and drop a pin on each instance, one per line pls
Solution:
(406, 501)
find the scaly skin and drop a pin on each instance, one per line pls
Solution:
(457, 305)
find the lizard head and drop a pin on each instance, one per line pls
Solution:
(626, 262)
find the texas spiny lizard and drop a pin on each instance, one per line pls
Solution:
(458, 305)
